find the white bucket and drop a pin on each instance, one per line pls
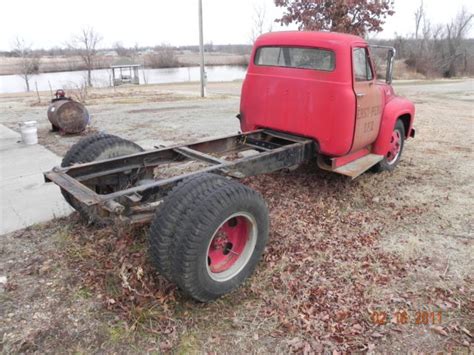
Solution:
(29, 132)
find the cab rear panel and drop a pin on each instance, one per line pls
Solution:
(293, 89)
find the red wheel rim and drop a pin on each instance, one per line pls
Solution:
(231, 246)
(395, 147)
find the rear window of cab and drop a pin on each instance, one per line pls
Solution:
(296, 57)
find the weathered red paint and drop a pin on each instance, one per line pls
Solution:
(322, 105)
(394, 108)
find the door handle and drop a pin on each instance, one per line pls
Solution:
(360, 94)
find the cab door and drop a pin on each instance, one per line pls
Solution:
(368, 99)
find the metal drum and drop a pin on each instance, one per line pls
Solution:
(68, 116)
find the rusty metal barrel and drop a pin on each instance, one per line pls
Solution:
(68, 116)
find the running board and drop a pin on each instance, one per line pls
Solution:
(354, 168)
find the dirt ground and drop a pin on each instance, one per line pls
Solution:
(382, 264)
(147, 114)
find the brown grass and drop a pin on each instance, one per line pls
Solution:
(339, 251)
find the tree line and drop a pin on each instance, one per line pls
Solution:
(434, 50)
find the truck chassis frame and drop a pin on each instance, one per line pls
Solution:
(140, 191)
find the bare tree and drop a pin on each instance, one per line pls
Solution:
(437, 32)
(425, 30)
(122, 51)
(164, 56)
(85, 44)
(440, 49)
(260, 23)
(456, 30)
(419, 15)
(29, 63)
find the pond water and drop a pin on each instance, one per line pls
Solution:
(103, 78)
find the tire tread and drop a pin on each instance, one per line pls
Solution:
(190, 238)
(171, 212)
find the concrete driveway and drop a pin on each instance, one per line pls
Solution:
(24, 197)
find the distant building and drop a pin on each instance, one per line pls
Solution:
(108, 53)
(124, 72)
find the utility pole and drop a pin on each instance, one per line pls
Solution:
(201, 52)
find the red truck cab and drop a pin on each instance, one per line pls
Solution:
(323, 86)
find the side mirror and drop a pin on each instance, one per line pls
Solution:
(391, 52)
(390, 58)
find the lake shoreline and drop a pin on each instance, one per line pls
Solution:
(75, 80)
(11, 65)
(189, 65)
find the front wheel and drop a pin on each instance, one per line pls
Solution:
(397, 141)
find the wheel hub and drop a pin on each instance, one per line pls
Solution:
(231, 247)
(395, 147)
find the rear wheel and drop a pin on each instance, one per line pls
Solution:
(108, 148)
(397, 141)
(220, 242)
(73, 155)
(98, 148)
(171, 213)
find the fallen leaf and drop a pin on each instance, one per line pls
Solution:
(439, 330)
(466, 331)
(376, 335)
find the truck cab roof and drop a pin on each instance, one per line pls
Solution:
(328, 40)
(340, 44)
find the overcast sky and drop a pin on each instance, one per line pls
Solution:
(47, 23)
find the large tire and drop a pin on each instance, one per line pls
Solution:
(397, 142)
(108, 148)
(171, 213)
(220, 241)
(100, 148)
(73, 156)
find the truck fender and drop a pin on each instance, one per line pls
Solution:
(397, 108)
